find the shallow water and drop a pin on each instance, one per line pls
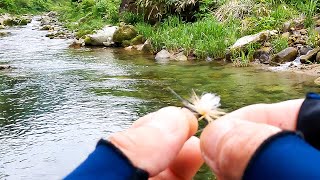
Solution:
(57, 102)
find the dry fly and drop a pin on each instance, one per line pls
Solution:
(206, 107)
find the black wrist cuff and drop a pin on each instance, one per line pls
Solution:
(309, 119)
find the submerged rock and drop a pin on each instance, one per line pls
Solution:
(304, 50)
(145, 47)
(318, 57)
(124, 33)
(4, 33)
(46, 28)
(138, 40)
(286, 55)
(163, 55)
(180, 57)
(77, 43)
(263, 55)
(310, 56)
(2, 67)
(102, 37)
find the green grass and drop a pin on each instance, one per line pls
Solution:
(279, 44)
(27, 6)
(205, 38)
(208, 36)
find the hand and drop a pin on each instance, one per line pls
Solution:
(162, 144)
(228, 144)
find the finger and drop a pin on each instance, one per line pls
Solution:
(283, 115)
(227, 145)
(154, 141)
(186, 164)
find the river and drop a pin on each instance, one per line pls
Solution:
(56, 102)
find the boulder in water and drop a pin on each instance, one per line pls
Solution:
(286, 55)
(4, 33)
(310, 56)
(163, 55)
(180, 57)
(102, 37)
(124, 33)
(77, 43)
(2, 67)
(263, 55)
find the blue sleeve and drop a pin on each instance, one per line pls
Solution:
(107, 162)
(284, 156)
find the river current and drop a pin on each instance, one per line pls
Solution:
(56, 102)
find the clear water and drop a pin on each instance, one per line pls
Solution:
(57, 102)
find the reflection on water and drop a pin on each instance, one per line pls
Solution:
(57, 102)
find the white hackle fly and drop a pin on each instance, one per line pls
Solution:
(205, 106)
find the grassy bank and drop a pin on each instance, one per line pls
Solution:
(219, 23)
(27, 6)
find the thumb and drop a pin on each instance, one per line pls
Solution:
(155, 140)
(227, 145)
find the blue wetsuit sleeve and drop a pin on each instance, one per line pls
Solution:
(284, 156)
(107, 162)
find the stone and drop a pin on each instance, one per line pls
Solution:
(263, 55)
(261, 36)
(52, 14)
(286, 26)
(163, 55)
(102, 37)
(46, 28)
(10, 22)
(77, 44)
(3, 67)
(317, 29)
(45, 20)
(303, 31)
(129, 48)
(4, 33)
(310, 56)
(180, 57)
(138, 40)
(318, 57)
(317, 23)
(126, 32)
(286, 35)
(287, 55)
(304, 50)
(146, 47)
(317, 81)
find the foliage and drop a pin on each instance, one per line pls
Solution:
(26, 6)
(313, 37)
(205, 38)
(158, 8)
(131, 18)
(279, 44)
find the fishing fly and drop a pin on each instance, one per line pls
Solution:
(206, 107)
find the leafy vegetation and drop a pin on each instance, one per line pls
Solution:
(27, 6)
(219, 23)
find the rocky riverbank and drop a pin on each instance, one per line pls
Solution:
(298, 56)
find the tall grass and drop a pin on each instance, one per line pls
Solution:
(27, 6)
(208, 37)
